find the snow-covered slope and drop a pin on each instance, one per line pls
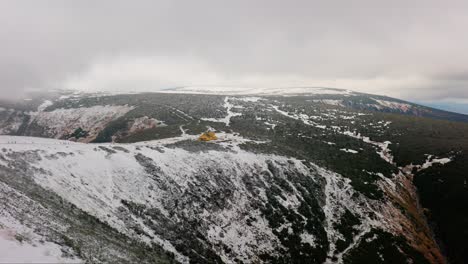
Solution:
(315, 178)
(62, 122)
(19, 244)
(206, 201)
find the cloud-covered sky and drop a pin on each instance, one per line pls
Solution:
(415, 51)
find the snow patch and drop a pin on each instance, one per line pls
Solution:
(393, 105)
(44, 105)
(329, 102)
(62, 122)
(349, 150)
(308, 238)
(19, 244)
(145, 122)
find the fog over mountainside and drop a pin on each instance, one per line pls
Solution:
(206, 131)
(413, 51)
(296, 175)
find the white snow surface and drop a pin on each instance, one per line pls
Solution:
(393, 105)
(96, 180)
(32, 248)
(144, 122)
(13, 251)
(333, 102)
(44, 105)
(349, 150)
(430, 162)
(61, 122)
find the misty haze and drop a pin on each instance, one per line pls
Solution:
(233, 132)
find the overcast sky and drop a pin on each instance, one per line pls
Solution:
(415, 51)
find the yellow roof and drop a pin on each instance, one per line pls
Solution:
(207, 136)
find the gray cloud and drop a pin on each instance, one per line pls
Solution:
(414, 51)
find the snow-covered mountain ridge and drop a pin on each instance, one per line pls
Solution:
(207, 186)
(236, 90)
(291, 179)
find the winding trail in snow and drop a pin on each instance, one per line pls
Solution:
(227, 119)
